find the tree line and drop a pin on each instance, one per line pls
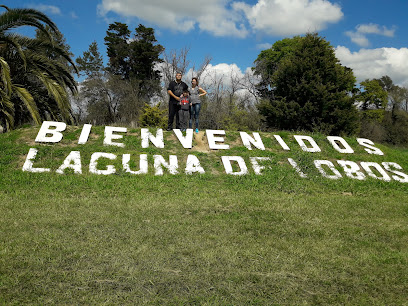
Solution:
(297, 84)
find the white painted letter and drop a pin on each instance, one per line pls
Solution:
(213, 139)
(400, 176)
(56, 133)
(248, 140)
(226, 160)
(109, 136)
(346, 148)
(193, 165)
(28, 164)
(257, 168)
(368, 144)
(367, 167)
(282, 143)
(352, 169)
(186, 142)
(157, 140)
(296, 167)
(301, 141)
(86, 130)
(73, 161)
(110, 169)
(336, 174)
(159, 163)
(142, 164)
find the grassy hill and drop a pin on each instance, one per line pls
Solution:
(206, 238)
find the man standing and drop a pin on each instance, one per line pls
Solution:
(175, 90)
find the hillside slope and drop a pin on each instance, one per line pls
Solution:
(171, 237)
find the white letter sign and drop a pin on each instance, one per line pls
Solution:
(56, 132)
(301, 141)
(226, 160)
(212, 139)
(28, 165)
(109, 136)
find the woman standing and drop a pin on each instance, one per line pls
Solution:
(195, 93)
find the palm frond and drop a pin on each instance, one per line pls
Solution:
(7, 109)
(59, 94)
(28, 101)
(5, 75)
(13, 40)
(57, 71)
(17, 17)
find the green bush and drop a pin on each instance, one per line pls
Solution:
(153, 116)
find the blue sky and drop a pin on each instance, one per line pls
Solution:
(369, 36)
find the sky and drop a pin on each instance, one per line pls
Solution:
(369, 36)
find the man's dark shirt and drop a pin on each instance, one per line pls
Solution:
(177, 89)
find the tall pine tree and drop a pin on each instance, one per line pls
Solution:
(308, 88)
(135, 58)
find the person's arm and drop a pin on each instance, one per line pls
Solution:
(203, 92)
(170, 91)
(173, 95)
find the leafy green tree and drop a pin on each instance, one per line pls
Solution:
(107, 98)
(268, 61)
(136, 58)
(91, 63)
(397, 95)
(308, 88)
(372, 95)
(117, 43)
(36, 65)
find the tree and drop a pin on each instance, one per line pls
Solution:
(268, 61)
(91, 63)
(136, 58)
(36, 65)
(397, 95)
(372, 95)
(116, 41)
(307, 87)
(97, 103)
(107, 98)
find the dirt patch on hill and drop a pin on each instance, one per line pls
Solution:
(201, 143)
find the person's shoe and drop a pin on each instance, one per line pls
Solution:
(196, 131)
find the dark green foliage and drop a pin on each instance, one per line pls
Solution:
(372, 95)
(389, 123)
(308, 88)
(396, 127)
(268, 61)
(135, 58)
(91, 63)
(105, 97)
(36, 73)
(116, 41)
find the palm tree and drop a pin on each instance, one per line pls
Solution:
(34, 72)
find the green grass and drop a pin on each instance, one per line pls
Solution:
(200, 239)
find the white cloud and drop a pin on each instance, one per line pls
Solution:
(221, 73)
(375, 63)
(359, 36)
(290, 17)
(50, 9)
(264, 46)
(181, 15)
(73, 15)
(228, 17)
